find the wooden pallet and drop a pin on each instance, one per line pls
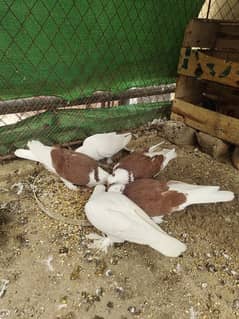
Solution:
(207, 91)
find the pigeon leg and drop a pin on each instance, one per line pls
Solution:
(100, 243)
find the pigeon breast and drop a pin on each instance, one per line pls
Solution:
(141, 165)
(154, 197)
(74, 167)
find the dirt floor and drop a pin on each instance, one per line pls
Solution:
(50, 273)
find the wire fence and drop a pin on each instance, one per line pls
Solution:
(70, 66)
(220, 10)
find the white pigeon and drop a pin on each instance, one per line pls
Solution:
(105, 145)
(121, 220)
(72, 168)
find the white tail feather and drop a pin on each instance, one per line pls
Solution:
(127, 139)
(199, 194)
(185, 187)
(168, 245)
(37, 152)
(169, 155)
(26, 154)
(154, 147)
(42, 153)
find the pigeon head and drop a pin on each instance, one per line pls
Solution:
(119, 176)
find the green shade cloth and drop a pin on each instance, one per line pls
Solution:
(62, 126)
(71, 48)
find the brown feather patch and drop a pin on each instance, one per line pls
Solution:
(140, 165)
(154, 197)
(74, 167)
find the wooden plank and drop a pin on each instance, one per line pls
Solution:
(211, 95)
(176, 117)
(200, 33)
(202, 66)
(212, 34)
(193, 90)
(50, 102)
(225, 55)
(189, 89)
(213, 123)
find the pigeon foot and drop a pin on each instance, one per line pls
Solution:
(100, 243)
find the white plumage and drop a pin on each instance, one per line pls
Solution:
(200, 194)
(37, 152)
(121, 220)
(105, 145)
(41, 153)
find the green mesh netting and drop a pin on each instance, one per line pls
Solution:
(71, 48)
(64, 126)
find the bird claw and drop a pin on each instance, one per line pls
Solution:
(100, 243)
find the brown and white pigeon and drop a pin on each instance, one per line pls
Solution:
(159, 198)
(120, 219)
(104, 145)
(144, 164)
(72, 168)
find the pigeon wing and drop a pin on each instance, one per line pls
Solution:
(124, 220)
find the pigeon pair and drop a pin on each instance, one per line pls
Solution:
(78, 168)
(123, 212)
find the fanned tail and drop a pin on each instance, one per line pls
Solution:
(127, 138)
(199, 194)
(26, 154)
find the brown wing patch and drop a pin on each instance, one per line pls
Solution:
(154, 196)
(141, 165)
(74, 167)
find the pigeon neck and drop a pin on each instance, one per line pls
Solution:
(98, 190)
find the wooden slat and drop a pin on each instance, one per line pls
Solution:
(202, 66)
(225, 55)
(200, 33)
(189, 89)
(212, 34)
(213, 123)
(193, 90)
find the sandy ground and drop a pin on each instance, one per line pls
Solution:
(52, 274)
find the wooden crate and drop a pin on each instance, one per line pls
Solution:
(207, 91)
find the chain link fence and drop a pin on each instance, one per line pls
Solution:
(72, 68)
(220, 10)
